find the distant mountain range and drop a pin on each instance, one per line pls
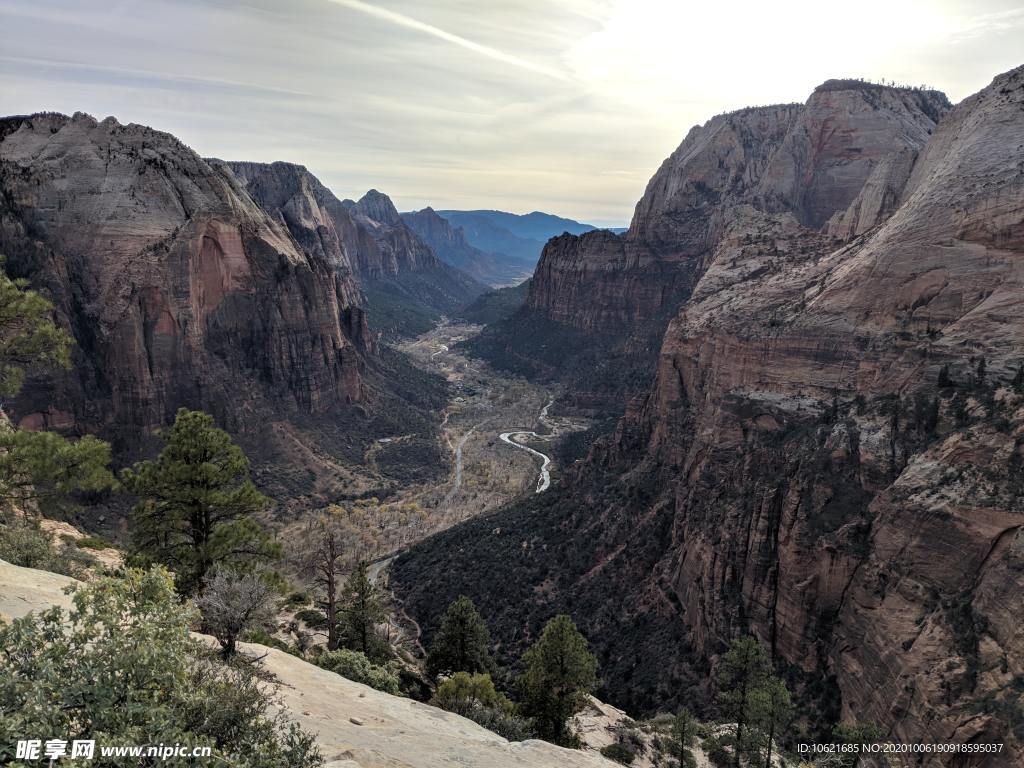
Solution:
(496, 247)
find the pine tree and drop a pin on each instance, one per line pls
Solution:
(197, 504)
(741, 677)
(560, 671)
(774, 711)
(28, 338)
(684, 734)
(39, 468)
(363, 611)
(462, 643)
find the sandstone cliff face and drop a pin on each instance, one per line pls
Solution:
(178, 288)
(836, 165)
(797, 471)
(812, 162)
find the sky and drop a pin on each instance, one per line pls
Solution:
(562, 106)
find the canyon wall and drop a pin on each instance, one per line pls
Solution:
(830, 456)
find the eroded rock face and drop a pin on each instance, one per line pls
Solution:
(835, 166)
(797, 471)
(179, 288)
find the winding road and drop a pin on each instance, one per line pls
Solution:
(457, 483)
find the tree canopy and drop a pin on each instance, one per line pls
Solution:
(197, 503)
(560, 672)
(462, 642)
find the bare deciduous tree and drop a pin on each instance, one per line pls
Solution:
(233, 603)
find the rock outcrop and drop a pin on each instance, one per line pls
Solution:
(406, 286)
(830, 456)
(188, 283)
(178, 287)
(355, 726)
(836, 164)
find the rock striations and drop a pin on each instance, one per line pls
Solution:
(232, 288)
(830, 455)
(178, 287)
(835, 165)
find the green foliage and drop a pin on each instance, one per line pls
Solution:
(474, 696)
(855, 733)
(120, 666)
(312, 618)
(40, 468)
(462, 643)
(356, 666)
(361, 614)
(196, 504)
(463, 692)
(684, 735)
(23, 542)
(28, 338)
(92, 542)
(774, 711)
(619, 752)
(560, 671)
(742, 675)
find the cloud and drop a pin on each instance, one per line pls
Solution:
(484, 50)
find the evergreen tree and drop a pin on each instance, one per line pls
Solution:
(462, 643)
(944, 381)
(28, 338)
(774, 711)
(363, 611)
(560, 671)
(684, 734)
(197, 504)
(38, 468)
(741, 678)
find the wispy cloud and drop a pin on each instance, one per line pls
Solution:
(470, 45)
(132, 73)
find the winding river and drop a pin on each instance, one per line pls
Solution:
(544, 479)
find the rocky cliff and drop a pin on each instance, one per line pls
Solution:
(835, 164)
(398, 270)
(830, 455)
(181, 290)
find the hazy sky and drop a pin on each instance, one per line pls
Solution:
(566, 107)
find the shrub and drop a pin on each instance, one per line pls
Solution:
(93, 542)
(121, 664)
(355, 666)
(312, 618)
(619, 752)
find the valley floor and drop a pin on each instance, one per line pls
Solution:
(497, 431)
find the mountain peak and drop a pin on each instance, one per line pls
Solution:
(378, 206)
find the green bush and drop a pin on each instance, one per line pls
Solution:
(23, 542)
(121, 665)
(312, 618)
(356, 667)
(619, 752)
(93, 542)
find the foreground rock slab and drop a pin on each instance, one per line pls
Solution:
(356, 726)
